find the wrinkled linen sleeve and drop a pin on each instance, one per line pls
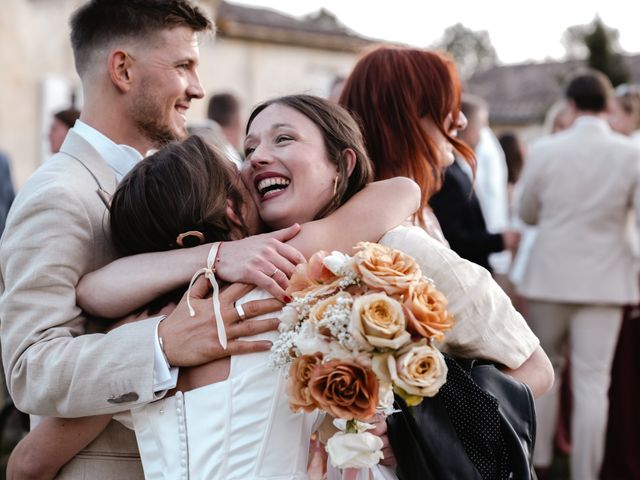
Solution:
(487, 326)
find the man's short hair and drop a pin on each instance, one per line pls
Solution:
(98, 22)
(68, 116)
(223, 108)
(590, 91)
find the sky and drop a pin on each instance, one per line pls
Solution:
(520, 31)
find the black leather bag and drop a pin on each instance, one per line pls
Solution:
(480, 426)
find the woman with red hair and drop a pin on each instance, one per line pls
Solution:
(408, 103)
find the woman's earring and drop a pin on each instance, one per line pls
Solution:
(335, 186)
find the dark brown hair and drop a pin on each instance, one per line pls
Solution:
(99, 22)
(68, 116)
(223, 108)
(514, 156)
(590, 91)
(389, 91)
(340, 132)
(182, 187)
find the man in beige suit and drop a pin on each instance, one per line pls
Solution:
(137, 61)
(578, 187)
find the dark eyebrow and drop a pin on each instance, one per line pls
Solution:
(275, 126)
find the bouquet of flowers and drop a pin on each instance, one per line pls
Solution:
(357, 330)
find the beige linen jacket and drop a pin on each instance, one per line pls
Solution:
(56, 232)
(579, 187)
(486, 325)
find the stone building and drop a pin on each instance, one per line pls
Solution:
(520, 95)
(256, 54)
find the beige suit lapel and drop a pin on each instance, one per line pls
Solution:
(82, 152)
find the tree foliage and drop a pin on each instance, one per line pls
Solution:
(599, 45)
(471, 50)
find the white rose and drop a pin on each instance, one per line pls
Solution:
(354, 450)
(308, 345)
(337, 262)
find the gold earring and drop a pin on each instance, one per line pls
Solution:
(335, 186)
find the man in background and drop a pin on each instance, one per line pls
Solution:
(224, 110)
(578, 187)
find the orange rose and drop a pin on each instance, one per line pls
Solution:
(298, 386)
(345, 389)
(426, 311)
(386, 269)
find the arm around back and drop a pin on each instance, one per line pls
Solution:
(367, 215)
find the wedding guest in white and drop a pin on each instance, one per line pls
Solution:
(578, 187)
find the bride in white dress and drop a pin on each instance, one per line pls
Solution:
(231, 419)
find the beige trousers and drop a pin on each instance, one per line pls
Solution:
(591, 334)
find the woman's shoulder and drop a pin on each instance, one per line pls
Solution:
(410, 237)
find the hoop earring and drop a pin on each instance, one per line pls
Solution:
(335, 186)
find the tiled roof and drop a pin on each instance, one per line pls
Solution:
(522, 94)
(320, 30)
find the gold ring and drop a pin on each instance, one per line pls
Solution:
(274, 272)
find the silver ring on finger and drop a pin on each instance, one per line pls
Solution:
(240, 311)
(274, 272)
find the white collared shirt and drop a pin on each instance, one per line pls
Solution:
(121, 159)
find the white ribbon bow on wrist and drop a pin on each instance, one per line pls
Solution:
(209, 273)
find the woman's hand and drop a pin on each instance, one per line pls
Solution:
(380, 421)
(261, 260)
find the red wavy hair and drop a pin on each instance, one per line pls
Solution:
(389, 90)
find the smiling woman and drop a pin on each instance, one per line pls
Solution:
(304, 159)
(287, 164)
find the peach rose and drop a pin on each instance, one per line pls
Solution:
(426, 310)
(345, 389)
(308, 276)
(419, 369)
(298, 386)
(385, 268)
(377, 320)
(318, 271)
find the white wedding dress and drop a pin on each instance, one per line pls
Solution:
(241, 428)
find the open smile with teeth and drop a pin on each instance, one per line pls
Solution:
(269, 187)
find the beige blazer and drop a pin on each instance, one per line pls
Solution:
(56, 232)
(578, 187)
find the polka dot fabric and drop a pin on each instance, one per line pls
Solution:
(475, 418)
